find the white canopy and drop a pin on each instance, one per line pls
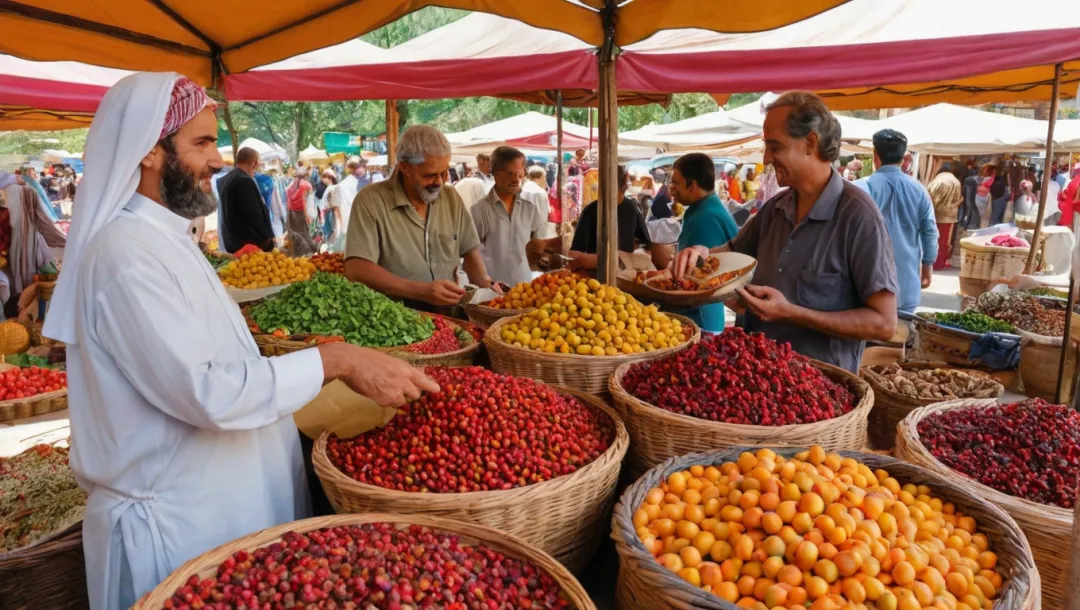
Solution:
(945, 129)
(267, 152)
(516, 128)
(1067, 135)
(852, 129)
(349, 53)
(703, 131)
(313, 154)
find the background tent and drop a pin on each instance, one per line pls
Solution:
(715, 129)
(873, 54)
(312, 154)
(51, 95)
(534, 132)
(267, 152)
(945, 129)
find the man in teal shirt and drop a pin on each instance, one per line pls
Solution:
(706, 222)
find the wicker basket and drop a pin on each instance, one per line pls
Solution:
(19, 408)
(1040, 359)
(657, 434)
(564, 516)
(50, 574)
(891, 407)
(981, 263)
(583, 373)
(483, 315)
(952, 345)
(206, 564)
(645, 585)
(1048, 528)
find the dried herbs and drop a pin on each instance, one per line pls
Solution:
(38, 496)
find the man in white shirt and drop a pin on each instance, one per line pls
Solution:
(181, 431)
(355, 179)
(483, 171)
(472, 189)
(535, 191)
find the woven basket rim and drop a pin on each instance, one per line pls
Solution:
(504, 542)
(493, 339)
(859, 411)
(495, 311)
(626, 539)
(62, 539)
(870, 376)
(1062, 517)
(438, 501)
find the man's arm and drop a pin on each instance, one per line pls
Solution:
(928, 235)
(476, 269)
(875, 321)
(661, 255)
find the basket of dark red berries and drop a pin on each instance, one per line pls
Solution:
(1024, 457)
(376, 561)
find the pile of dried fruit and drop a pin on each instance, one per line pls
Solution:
(971, 321)
(740, 378)
(819, 531)
(591, 319)
(483, 431)
(929, 384)
(332, 306)
(330, 262)
(537, 292)
(38, 496)
(446, 338)
(31, 381)
(1025, 312)
(265, 269)
(1028, 449)
(372, 566)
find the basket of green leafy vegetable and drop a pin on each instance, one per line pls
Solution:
(949, 335)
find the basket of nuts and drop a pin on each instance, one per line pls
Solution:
(372, 561)
(507, 452)
(1019, 456)
(801, 528)
(901, 388)
(737, 388)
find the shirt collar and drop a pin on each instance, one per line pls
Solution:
(401, 198)
(157, 214)
(888, 169)
(704, 199)
(825, 206)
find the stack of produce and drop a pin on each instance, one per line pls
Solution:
(38, 496)
(740, 378)
(19, 383)
(1025, 312)
(1009, 241)
(482, 432)
(217, 260)
(934, 384)
(1029, 449)
(537, 292)
(588, 318)
(372, 565)
(816, 530)
(971, 321)
(265, 269)
(329, 262)
(330, 305)
(1048, 292)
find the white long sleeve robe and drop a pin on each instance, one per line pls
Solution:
(181, 431)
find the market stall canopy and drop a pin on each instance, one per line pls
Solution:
(874, 54)
(202, 38)
(534, 131)
(267, 152)
(51, 94)
(852, 129)
(715, 129)
(313, 154)
(466, 58)
(945, 129)
(1067, 135)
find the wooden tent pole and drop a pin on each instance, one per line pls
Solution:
(1061, 395)
(607, 239)
(391, 134)
(560, 180)
(1047, 163)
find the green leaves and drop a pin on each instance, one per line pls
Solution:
(331, 305)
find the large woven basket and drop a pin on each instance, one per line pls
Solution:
(981, 262)
(50, 574)
(645, 585)
(657, 434)
(583, 373)
(951, 345)
(206, 564)
(563, 516)
(487, 316)
(1048, 528)
(19, 408)
(891, 407)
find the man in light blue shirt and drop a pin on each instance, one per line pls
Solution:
(909, 217)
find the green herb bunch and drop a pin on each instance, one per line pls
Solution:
(973, 321)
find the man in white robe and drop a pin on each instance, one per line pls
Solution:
(181, 432)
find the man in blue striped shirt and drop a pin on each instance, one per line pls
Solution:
(909, 216)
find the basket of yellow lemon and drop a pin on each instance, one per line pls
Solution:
(578, 339)
(258, 274)
(522, 298)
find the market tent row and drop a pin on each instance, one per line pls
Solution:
(268, 153)
(37, 95)
(535, 131)
(874, 54)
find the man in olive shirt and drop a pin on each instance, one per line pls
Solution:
(408, 234)
(826, 278)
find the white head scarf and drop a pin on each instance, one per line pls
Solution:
(125, 129)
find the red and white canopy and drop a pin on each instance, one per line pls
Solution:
(51, 94)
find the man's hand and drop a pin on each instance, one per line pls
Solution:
(387, 380)
(768, 304)
(927, 275)
(583, 262)
(443, 292)
(687, 259)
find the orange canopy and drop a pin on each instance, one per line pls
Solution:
(23, 118)
(200, 38)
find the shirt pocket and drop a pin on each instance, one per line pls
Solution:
(822, 291)
(444, 250)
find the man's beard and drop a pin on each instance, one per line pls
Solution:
(181, 192)
(429, 194)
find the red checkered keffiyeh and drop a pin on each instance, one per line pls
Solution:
(187, 100)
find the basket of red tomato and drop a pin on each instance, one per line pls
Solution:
(30, 391)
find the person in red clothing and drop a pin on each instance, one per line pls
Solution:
(299, 225)
(1069, 202)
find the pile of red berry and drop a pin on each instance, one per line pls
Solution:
(376, 566)
(444, 339)
(740, 378)
(1028, 449)
(483, 431)
(30, 381)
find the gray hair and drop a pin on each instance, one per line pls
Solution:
(810, 114)
(420, 142)
(503, 156)
(537, 172)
